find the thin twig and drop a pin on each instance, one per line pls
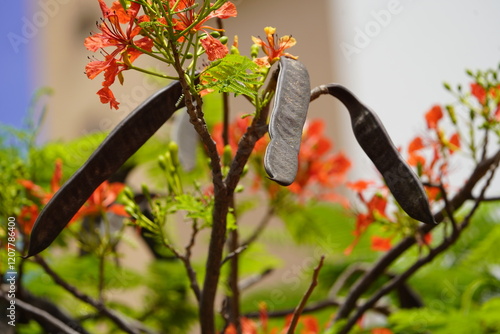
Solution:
(260, 228)
(254, 279)
(303, 302)
(111, 314)
(35, 311)
(233, 254)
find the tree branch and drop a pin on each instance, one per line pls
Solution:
(398, 280)
(47, 317)
(118, 319)
(385, 261)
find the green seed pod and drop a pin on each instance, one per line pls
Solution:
(288, 116)
(121, 143)
(374, 140)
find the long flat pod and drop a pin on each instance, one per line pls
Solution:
(288, 116)
(374, 140)
(119, 145)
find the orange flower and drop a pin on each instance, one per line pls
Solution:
(315, 167)
(375, 207)
(274, 48)
(103, 200)
(380, 244)
(213, 48)
(112, 35)
(27, 217)
(433, 116)
(454, 143)
(38, 192)
(478, 92)
(415, 145)
(359, 185)
(188, 18)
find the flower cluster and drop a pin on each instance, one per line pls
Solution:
(127, 47)
(273, 47)
(319, 171)
(170, 23)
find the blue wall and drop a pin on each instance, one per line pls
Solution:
(16, 79)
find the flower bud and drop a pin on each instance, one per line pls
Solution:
(227, 155)
(254, 50)
(223, 40)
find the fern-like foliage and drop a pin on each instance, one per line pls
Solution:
(232, 74)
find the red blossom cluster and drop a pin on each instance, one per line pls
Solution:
(101, 201)
(127, 48)
(187, 19)
(319, 171)
(129, 44)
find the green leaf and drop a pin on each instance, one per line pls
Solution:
(233, 74)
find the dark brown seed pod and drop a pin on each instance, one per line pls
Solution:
(374, 140)
(121, 143)
(288, 116)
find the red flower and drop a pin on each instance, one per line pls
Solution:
(27, 217)
(433, 116)
(359, 185)
(415, 145)
(380, 244)
(38, 192)
(375, 208)
(274, 48)
(112, 35)
(316, 168)
(478, 92)
(213, 48)
(454, 143)
(103, 200)
(187, 17)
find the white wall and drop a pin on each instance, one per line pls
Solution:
(414, 47)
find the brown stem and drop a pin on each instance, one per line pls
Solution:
(305, 298)
(221, 202)
(233, 299)
(111, 314)
(385, 261)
